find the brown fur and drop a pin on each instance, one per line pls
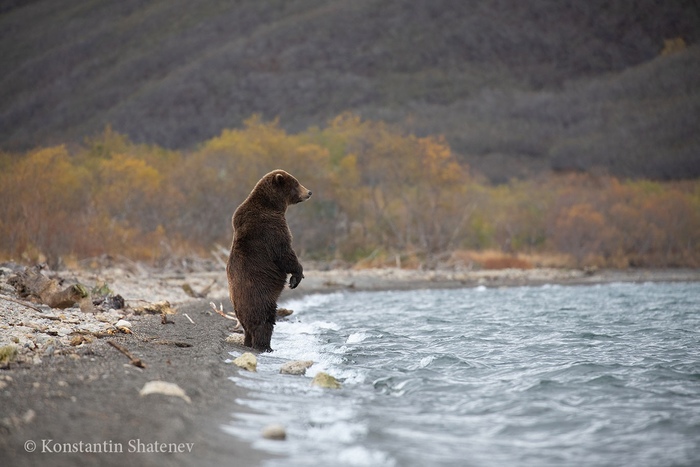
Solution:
(262, 256)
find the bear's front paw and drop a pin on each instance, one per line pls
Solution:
(294, 280)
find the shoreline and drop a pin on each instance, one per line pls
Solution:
(406, 279)
(90, 392)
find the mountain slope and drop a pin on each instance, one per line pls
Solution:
(516, 87)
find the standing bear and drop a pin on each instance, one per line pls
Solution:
(262, 256)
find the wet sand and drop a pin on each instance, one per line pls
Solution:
(90, 394)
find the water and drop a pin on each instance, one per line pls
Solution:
(532, 376)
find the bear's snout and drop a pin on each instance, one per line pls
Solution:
(306, 194)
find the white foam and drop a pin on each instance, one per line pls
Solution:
(356, 337)
(307, 339)
(425, 361)
(361, 456)
(337, 432)
(296, 340)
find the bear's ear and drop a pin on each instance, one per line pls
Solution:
(279, 178)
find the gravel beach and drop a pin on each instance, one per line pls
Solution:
(72, 382)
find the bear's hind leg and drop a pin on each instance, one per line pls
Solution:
(247, 336)
(248, 339)
(262, 337)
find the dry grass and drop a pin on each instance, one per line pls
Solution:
(494, 259)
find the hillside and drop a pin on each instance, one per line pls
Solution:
(516, 87)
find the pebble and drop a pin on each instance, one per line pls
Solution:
(123, 323)
(165, 388)
(276, 432)
(247, 361)
(80, 339)
(284, 312)
(324, 380)
(297, 367)
(237, 339)
(28, 416)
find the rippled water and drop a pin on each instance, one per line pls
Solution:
(528, 376)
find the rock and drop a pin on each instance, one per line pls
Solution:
(112, 302)
(29, 416)
(237, 339)
(123, 326)
(80, 339)
(165, 388)
(247, 361)
(104, 318)
(297, 367)
(277, 432)
(284, 312)
(31, 282)
(324, 380)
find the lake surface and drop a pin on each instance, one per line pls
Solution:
(605, 375)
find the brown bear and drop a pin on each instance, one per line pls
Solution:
(262, 256)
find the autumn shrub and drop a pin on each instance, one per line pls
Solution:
(382, 197)
(43, 197)
(487, 259)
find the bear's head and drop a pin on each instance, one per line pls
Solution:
(281, 189)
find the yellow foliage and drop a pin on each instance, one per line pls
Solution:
(41, 192)
(380, 196)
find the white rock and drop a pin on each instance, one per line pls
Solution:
(247, 361)
(324, 380)
(235, 338)
(165, 388)
(297, 367)
(28, 416)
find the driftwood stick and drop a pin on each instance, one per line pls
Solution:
(220, 311)
(31, 282)
(134, 361)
